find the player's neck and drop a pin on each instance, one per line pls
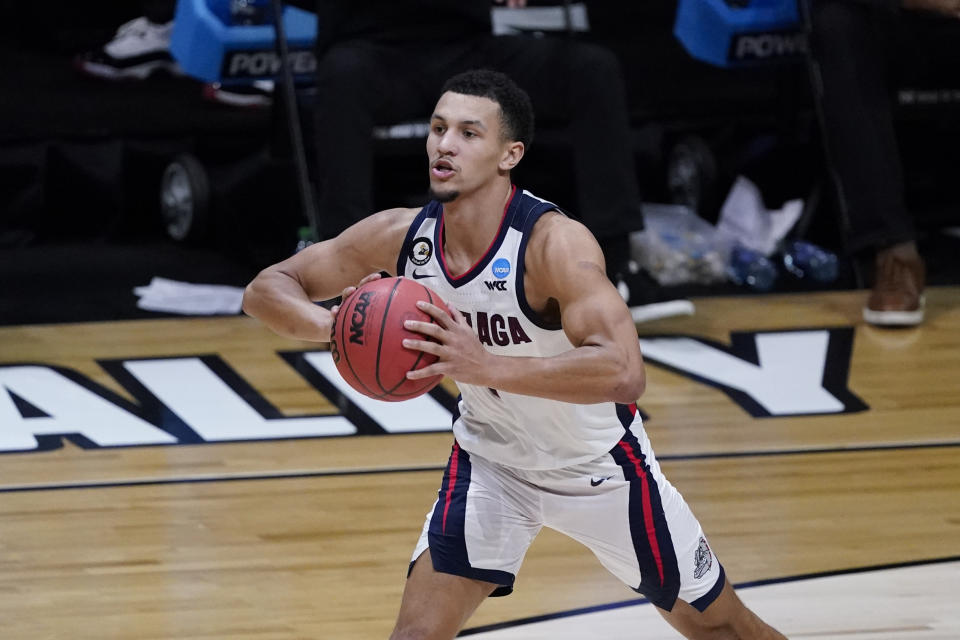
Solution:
(471, 223)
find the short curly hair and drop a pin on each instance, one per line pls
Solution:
(516, 110)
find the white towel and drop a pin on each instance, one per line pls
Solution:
(171, 296)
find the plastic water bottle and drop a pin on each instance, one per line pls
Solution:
(306, 238)
(806, 260)
(751, 269)
(250, 12)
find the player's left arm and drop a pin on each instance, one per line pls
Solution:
(564, 263)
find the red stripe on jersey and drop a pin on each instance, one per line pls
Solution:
(454, 458)
(647, 509)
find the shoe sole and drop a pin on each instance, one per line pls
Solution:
(247, 101)
(139, 72)
(894, 318)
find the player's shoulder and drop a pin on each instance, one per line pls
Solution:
(377, 238)
(556, 232)
(383, 224)
(398, 216)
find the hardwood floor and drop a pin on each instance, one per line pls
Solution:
(172, 479)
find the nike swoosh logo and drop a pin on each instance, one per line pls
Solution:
(594, 482)
(420, 276)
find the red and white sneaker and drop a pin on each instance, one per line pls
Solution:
(138, 50)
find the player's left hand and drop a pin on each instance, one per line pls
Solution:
(459, 353)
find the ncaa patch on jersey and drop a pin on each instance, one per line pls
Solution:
(421, 251)
(501, 268)
(703, 559)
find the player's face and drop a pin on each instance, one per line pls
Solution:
(465, 147)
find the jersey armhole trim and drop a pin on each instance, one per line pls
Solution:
(526, 228)
(411, 234)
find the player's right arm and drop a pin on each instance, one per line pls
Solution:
(282, 296)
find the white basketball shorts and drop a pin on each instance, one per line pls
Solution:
(619, 505)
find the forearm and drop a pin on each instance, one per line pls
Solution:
(279, 301)
(585, 375)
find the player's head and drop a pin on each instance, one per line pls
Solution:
(479, 130)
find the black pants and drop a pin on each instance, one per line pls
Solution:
(159, 11)
(361, 84)
(861, 56)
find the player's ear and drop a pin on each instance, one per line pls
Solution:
(512, 153)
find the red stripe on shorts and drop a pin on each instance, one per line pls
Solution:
(454, 457)
(647, 510)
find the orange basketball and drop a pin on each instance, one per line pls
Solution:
(367, 339)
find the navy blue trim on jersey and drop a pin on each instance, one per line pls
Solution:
(525, 225)
(505, 222)
(411, 236)
(627, 413)
(455, 414)
(659, 572)
(704, 601)
(446, 537)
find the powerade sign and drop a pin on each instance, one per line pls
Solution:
(740, 33)
(265, 63)
(763, 47)
(501, 268)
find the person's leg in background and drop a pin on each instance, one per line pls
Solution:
(852, 89)
(582, 83)
(361, 84)
(140, 48)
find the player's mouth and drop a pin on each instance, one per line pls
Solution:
(442, 169)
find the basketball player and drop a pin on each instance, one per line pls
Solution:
(549, 368)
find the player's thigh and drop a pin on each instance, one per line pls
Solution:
(482, 523)
(436, 605)
(637, 524)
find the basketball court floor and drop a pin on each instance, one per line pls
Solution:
(204, 479)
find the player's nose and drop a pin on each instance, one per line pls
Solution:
(445, 145)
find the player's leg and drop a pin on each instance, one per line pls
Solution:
(460, 560)
(641, 529)
(726, 618)
(436, 605)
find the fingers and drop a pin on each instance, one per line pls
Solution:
(426, 328)
(441, 316)
(423, 345)
(455, 314)
(426, 372)
(368, 278)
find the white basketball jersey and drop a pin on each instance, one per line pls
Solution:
(520, 431)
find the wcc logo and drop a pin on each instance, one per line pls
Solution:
(500, 269)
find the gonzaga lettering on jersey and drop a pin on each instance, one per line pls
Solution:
(516, 430)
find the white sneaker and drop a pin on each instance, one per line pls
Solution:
(256, 95)
(138, 50)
